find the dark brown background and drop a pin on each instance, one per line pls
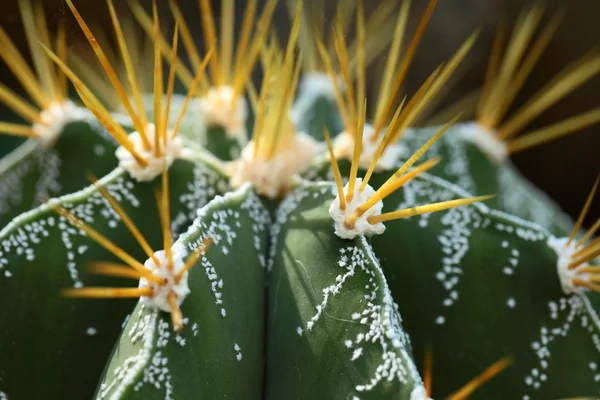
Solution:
(565, 168)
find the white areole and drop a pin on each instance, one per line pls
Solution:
(271, 176)
(486, 140)
(362, 226)
(567, 276)
(173, 149)
(222, 107)
(170, 285)
(53, 121)
(343, 146)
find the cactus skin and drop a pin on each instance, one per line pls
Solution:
(8, 144)
(315, 108)
(464, 164)
(461, 264)
(407, 289)
(31, 174)
(219, 144)
(331, 313)
(219, 352)
(42, 254)
(457, 265)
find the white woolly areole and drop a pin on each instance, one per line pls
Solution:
(362, 225)
(274, 176)
(317, 84)
(313, 85)
(486, 140)
(219, 107)
(344, 148)
(419, 393)
(53, 121)
(162, 290)
(566, 275)
(172, 150)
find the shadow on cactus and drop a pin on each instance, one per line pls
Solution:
(266, 262)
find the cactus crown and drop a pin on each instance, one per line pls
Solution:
(506, 76)
(50, 108)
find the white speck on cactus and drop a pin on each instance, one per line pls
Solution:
(419, 393)
(563, 315)
(171, 150)
(221, 107)
(357, 354)
(486, 140)
(273, 176)
(144, 329)
(362, 226)
(88, 205)
(238, 352)
(381, 320)
(344, 148)
(511, 303)
(567, 276)
(161, 291)
(53, 120)
(318, 84)
(91, 331)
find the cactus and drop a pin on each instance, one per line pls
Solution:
(239, 243)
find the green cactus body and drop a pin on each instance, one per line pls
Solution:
(334, 328)
(315, 107)
(42, 254)
(480, 259)
(8, 144)
(219, 144)
(219, 352)
(32, 173)
(465, 164)
(475, 260)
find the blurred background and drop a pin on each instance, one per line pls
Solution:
(565, 168)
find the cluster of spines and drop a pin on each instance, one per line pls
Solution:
(272, 127)
(228, 67)
(45, 85)
(506, 76)
(136, 111)
(133, 269)
(586, 252)
(379, 25)
(394, 74)
(394, 182)
(141, 51)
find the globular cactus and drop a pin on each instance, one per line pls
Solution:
(278, 245)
